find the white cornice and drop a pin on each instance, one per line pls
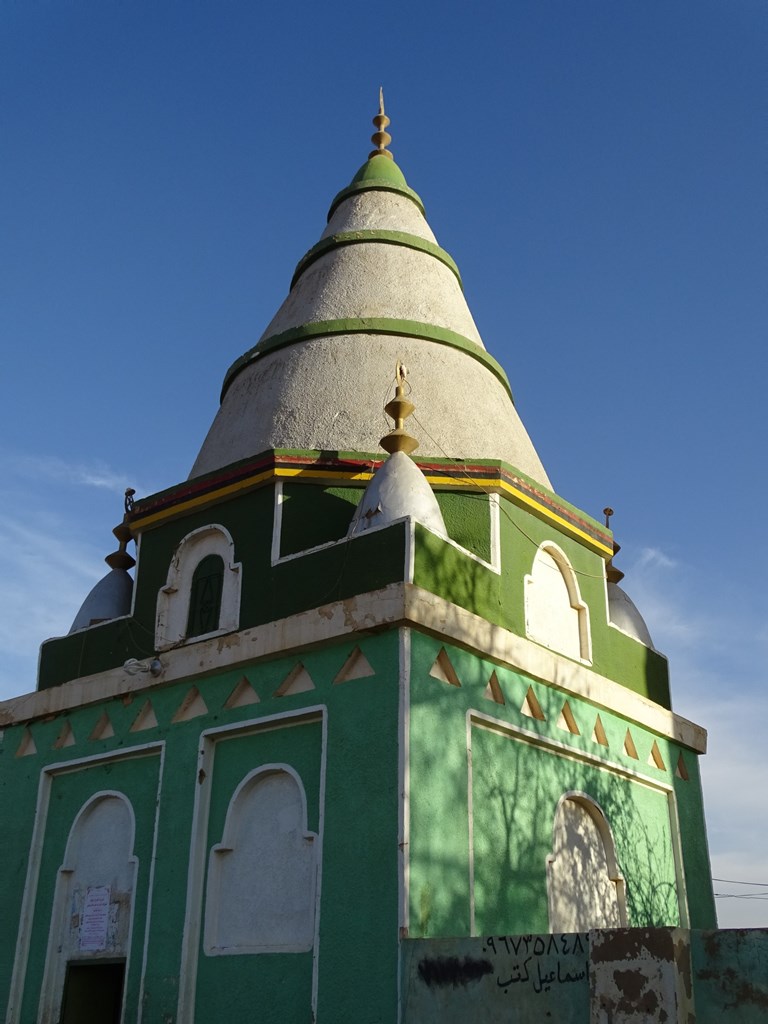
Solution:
(400, 604)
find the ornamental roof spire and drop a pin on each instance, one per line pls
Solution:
(399, 409)
(381, 137)
(112, 596)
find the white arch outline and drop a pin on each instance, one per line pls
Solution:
(595, 811)
(52, 988)
(227, 844)
(577, 603)
(173, 597)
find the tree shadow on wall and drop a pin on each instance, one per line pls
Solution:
(500, 856)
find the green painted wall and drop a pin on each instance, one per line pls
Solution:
(500, 598)
(359, 904)
(313, 515)
(278, 984)
(467, 519)
(269, 591)
(693, 838)
(516, 787)
(137, 779)
(317, 514)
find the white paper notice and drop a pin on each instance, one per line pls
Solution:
(93, 926)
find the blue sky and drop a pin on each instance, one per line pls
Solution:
(598, 171)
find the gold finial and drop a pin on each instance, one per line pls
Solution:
(398, 440)
(381, 138)
(120, 559)
(612, 573)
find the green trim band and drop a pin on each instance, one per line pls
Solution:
(367, 325)
(377, 184)
(403, 238)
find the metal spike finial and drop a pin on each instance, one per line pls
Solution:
(399, 409)
(381, 138)
(613, 574)
(120, 559)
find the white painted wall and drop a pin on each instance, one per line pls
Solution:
(555, 615)
(261, 877)
(99, 858)
(584, 885)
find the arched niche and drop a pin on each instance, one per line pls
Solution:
(261, 887)
(93, 899)
(555, 614)
(585, 887)
(209, 546)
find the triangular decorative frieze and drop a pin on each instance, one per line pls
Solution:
(567, 722)
(146, 718)
(629, 746)
(531, 707)
(103, 729)
(598, 733)
(243, 696)
(443, 670)
(298, 680)
(681, 771)
(27, 745)
(356, 666)
(655, 759)
(193, 706)
(66, 737)
(493, 690)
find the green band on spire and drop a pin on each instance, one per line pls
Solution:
(403, 238)
(366, 325)
(381, 174)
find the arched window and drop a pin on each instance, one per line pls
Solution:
(261, 877)
(585, 886)
(93, 905)
(555, 615)
(205, 596)
(201, 596)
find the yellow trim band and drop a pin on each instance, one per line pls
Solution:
(488, 486)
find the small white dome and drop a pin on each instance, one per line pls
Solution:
(624, 614)
(397, 490)
(109, 599)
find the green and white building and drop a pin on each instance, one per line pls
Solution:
(350, 696)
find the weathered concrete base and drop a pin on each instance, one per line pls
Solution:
(627, 976)
(638, 975)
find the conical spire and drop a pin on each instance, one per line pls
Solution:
(374, 288)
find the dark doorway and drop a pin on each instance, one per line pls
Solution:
(93, 993)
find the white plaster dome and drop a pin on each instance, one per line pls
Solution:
(624, 614)
(374, 290)
(398, 489)
(109, 599)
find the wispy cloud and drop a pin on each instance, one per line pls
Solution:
(55, 523)
(655, 558)
(44, 577)
(51, 469)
